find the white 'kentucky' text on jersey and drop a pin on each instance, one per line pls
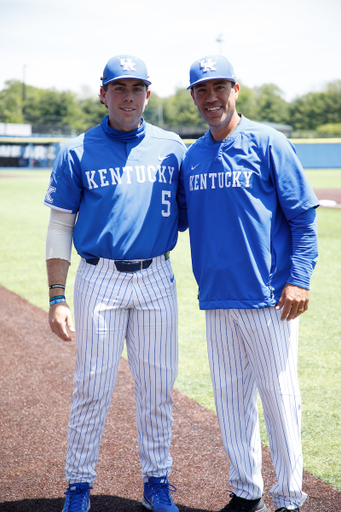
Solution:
(241, 195)
(123, 190)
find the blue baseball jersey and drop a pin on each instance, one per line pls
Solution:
(241, 195)
(123, 187)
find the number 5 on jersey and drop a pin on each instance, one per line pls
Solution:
(166, 194)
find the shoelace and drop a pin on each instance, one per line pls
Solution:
(162, 493)
(284, 509)
(77, 497)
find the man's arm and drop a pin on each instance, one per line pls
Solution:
(295, 295)
(60, 319)
(58, 257)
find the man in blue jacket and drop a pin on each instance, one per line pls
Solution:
(252, 223)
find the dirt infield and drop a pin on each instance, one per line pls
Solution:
(36, 383)
(325, 195)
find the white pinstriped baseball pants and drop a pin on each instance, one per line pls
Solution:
(111, 306)
(250, 350)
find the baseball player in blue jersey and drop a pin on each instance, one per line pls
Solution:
(252, 224)
(113, 191)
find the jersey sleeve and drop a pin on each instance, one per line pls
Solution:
(304, 248)
(65, 188)
(294, 191)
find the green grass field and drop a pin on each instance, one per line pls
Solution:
(23, 224)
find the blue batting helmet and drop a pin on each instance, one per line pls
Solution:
(210, 68)
(125, 66)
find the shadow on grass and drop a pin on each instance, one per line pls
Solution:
(98, 504)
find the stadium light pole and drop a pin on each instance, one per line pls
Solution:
(220, 41)
(24, 92)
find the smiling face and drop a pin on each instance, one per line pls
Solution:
(126, 100)
(216, 102)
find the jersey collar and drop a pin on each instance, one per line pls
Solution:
(131, 136)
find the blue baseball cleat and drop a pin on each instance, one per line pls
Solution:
(157, 495)
(77, 498)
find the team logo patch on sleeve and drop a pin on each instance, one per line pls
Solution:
(50, 190)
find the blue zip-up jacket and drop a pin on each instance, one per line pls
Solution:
(251, 216)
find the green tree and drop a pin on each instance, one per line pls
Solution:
(332, 97)
(11, 102)
(329, 130)
(90, 115)
(307, 112)
(51, 110)
(51, 107)
(179, 110)
(154, 110)
(48, 109)
(315, 109)
(247, 103)
(271, 106)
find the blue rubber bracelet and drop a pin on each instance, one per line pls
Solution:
(57, 301)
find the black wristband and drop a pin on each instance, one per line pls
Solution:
(53, 286)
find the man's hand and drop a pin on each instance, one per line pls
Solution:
(294, 301)
(60, 321)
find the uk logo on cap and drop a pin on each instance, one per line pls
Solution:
(206, 65)
(127, 65)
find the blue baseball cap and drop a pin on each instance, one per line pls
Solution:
(125, 66)
(210, 68)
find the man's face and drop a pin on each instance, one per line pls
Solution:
(216, 100)
(126, 100)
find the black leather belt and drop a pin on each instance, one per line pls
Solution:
(129, 266)
(92, 261)
(132, 266)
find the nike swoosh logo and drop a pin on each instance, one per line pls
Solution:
(192, 168)
(162, 158)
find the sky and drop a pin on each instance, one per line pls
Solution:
(65, 44)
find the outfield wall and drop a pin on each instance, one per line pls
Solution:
(41, 151)
(318, 153)
(29, 152)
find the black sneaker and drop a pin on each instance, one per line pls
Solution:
(242, 505)
(284, 509)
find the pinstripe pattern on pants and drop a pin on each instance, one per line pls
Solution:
(112, 306)
(252, 350)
